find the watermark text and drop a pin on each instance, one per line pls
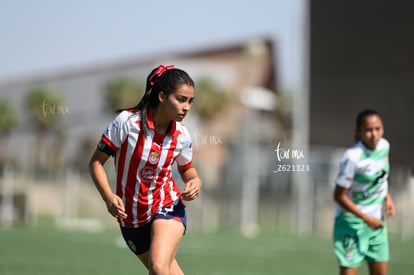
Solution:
(54, 109)
(288, 155)
(200, 139)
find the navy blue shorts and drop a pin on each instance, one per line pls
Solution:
(139, 239)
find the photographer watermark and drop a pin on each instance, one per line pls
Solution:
(54, 109)
(200, 139)
(288, 155)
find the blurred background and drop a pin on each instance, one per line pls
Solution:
(278, 86)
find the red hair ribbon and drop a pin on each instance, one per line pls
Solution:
(159, 72)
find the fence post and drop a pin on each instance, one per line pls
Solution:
(6, 206)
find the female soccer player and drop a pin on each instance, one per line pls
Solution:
(361, 189)
(145, 141)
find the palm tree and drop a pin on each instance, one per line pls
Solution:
(122, 93)
(8, 122)
(44, 106)
(210, 99)
(8, 117)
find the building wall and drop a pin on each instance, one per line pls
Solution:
(362, 56)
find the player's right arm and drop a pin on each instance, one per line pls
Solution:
(113, 203)
(340, 196)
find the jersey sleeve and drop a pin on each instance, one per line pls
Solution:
(114, 134)
(346, 171)
(185, 158)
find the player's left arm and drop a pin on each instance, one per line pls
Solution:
(389, 206)
(192, 183)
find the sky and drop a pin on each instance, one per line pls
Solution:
(46, 35)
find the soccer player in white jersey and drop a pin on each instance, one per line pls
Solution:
(146, 140)
(363, 200)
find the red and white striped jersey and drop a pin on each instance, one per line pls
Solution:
(144, 165)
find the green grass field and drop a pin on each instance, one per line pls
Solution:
(48, 251)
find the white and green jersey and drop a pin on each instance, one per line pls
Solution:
(364, 173)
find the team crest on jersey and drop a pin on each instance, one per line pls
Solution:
(147, 174)
(154, 157)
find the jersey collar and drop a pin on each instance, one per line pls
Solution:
(151, 125)
(366, 149)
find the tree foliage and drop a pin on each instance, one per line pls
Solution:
(8, 117)
(122, 93)
(44, 106)
(210, 98)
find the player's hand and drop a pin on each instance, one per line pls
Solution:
(374, 223)
(115, 206)
(192, 189)
(389, 207)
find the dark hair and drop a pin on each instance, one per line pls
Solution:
(360, 119)
(164, 79)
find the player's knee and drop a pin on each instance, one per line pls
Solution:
(159, 267)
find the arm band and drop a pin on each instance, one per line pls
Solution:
(102, 146)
